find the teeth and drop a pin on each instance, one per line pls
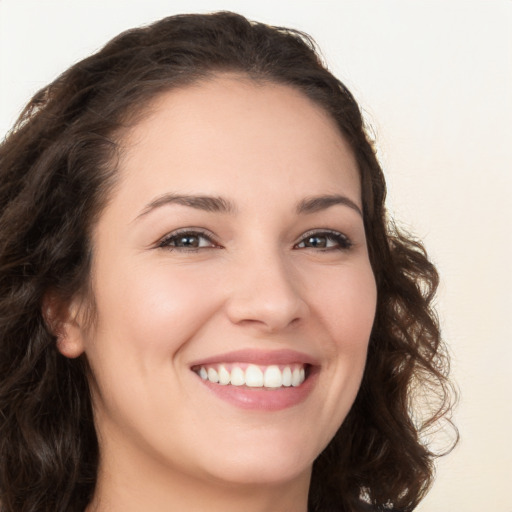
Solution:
(237, 376)
(254, 376)
(273, 377)
(213, 376)
(287, 376)
(296, 377)
(224, 376)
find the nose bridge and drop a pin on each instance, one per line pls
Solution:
(265, 291)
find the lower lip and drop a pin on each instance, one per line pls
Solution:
(263, 399)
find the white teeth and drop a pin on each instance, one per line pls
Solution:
(237, 376)
(287, 376)
(254, 376)
(296, 377)
(224, 376)
(213, 376)
(273, 377)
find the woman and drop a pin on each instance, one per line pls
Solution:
(203, 304)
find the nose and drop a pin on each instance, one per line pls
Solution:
(266, 294)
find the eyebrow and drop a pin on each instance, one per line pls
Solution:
(206, 203)
(220, 205)
(318, 203)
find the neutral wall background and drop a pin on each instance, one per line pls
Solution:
(435, 80)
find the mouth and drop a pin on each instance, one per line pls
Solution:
(259, 380)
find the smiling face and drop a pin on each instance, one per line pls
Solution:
(232, 249)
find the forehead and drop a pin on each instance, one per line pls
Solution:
(229, 134)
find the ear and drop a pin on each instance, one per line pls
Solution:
(64, 320)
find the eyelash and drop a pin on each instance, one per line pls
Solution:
(341, 241)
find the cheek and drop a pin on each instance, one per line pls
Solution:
(146, 315)
(346, 302)
(154, 309)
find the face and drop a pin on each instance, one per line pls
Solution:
(233, 290)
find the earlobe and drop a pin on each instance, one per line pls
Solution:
(69, 345)
(63, 320)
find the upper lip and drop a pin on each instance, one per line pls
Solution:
(259, 357)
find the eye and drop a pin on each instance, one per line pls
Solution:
(324, 241)
(187, 240)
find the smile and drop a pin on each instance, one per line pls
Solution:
(259, 380)
(253, 376)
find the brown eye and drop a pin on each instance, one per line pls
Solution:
(316, 242)
(331, 240)
(187, 240)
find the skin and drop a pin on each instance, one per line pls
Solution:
(166, 441)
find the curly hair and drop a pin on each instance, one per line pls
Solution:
(57, 171)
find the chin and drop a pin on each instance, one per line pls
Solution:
(268, 472)
(269, 461)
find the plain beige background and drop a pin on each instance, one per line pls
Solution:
(435, 81)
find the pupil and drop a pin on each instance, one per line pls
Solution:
(188, 241)
(317, 241)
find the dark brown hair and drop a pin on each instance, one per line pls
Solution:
(57, 169)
